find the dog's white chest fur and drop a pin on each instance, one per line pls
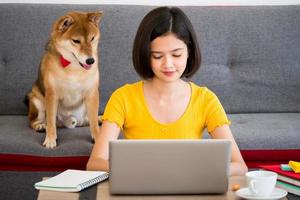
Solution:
(71, 110)
(70, 93)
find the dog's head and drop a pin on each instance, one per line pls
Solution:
(76, 36)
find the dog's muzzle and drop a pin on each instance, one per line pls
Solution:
(88, 64)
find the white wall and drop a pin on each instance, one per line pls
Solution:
(164, 2)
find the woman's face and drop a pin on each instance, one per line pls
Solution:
(168, 57)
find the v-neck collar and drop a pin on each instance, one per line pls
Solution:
(141, 92)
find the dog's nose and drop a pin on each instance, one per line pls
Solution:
(90, 61)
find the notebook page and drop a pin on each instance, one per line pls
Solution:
(70, 180)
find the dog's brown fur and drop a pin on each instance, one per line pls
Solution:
(68, 96)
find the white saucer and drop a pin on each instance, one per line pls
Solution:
(276, 194)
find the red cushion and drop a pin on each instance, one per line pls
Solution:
(255, 158)
(16, 162)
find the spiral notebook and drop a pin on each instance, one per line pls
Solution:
(72, 180)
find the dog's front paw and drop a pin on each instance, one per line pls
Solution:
(49, 143)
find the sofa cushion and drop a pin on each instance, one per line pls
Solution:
(271, 138)
(266, 130)
(263, 138)
(18, 138)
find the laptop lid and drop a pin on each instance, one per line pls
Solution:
(169, 166)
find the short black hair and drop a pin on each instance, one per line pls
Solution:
(159, 22)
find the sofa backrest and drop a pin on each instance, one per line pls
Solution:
(251, 54)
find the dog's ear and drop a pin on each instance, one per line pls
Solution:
(64, 23)
(95, 17)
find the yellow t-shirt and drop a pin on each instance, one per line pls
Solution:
(127, 108)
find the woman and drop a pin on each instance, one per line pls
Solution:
(163, 105)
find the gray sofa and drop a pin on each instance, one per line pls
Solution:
(251, 60)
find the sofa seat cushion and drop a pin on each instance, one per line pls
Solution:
(267, 138)
(262, 138)
(21, 147)
(266, 130)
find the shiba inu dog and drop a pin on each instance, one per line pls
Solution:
(66, 90)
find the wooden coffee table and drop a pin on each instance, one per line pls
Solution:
(101, 192)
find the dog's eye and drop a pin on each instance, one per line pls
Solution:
(92, 38)
(76, 41)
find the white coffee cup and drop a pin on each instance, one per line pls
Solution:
(261, 183)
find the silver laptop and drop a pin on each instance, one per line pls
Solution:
(169, 166)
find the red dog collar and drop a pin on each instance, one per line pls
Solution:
(64, 62)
